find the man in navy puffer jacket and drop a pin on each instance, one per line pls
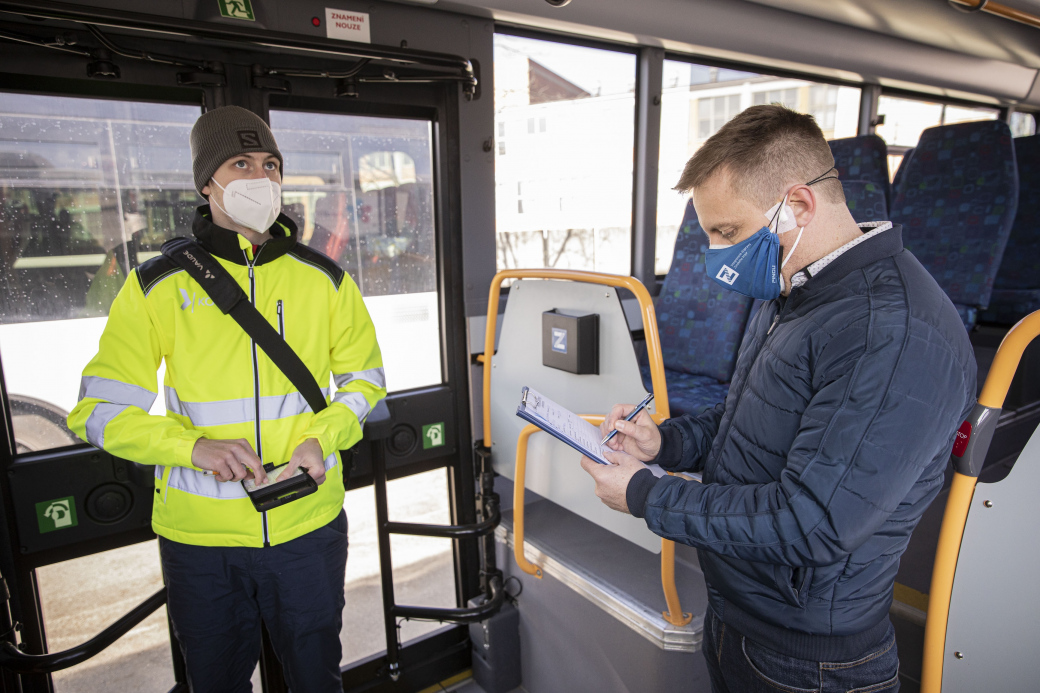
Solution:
(849, 386)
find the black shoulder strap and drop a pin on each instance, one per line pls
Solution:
(232, 300)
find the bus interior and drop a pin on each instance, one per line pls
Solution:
(474, 165)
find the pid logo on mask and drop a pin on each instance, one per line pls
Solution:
(727, 275)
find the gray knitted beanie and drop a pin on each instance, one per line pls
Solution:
(223, 133)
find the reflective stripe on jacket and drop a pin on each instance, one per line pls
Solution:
(220, 385)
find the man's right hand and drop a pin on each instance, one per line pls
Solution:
(640, 437)
(229, 460)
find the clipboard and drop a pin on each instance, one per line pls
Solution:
(562, 424)
(567, 427)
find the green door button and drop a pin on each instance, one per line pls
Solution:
(433, 435)
(56, 514)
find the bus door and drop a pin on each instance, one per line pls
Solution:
(95, 174)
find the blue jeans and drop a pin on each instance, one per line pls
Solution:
(217, 596)
(739, 665)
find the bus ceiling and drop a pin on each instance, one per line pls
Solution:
(920, 45)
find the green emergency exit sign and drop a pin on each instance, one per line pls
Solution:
(236, 9)
(59, 513)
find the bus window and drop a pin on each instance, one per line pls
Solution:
(697, 100)
(89, 189)
(361, 191)
(565, 118)
(1023, 124)
(906, 119)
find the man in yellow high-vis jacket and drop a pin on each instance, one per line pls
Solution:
(229, 410)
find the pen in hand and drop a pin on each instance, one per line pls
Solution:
(635, 412)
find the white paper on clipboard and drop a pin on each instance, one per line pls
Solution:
(565, 425)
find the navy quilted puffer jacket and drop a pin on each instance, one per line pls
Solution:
(831, 443)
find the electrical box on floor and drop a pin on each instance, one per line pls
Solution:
(496, 650)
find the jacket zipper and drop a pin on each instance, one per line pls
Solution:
(743, 389)
(256, 383)
(281, 319)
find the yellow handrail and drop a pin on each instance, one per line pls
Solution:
(1001, 373)
(674, 615)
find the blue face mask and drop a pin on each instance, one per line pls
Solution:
(752, 267)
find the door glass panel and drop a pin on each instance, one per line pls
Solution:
(361, 191)
(89, 188)
(565, 118)
(82, 597)
(697, 100)
(424, 573)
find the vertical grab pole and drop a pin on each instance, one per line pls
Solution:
(385, 565)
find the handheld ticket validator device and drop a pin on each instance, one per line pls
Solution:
(232, 300)
(274, 493)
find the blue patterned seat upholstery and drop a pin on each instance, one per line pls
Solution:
(689, 394)
(863, 158)
(956, 203)
(1016, 291)
(701, 325)
(897, 179)
(866, 200)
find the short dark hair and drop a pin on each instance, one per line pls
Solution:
(765, 149)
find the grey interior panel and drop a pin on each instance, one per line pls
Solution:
(994, 615)
(553, 469)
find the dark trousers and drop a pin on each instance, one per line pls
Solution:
(217, 597)
(739, 665)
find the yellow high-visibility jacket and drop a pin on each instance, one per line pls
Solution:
(220, 385)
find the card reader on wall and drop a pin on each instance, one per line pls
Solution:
(570, 342)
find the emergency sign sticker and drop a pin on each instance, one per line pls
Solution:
(347, 26)
(237, 9)
(433, 435)
(56, 514)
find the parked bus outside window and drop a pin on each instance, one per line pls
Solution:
(565, 120)
(361, 191)
(698, 100)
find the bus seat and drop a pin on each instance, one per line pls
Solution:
(1016, 291)
(863, 158)
(701, 325)
(956, 203)
(866, 200)
(898, 177)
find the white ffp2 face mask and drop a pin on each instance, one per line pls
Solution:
(251, 202)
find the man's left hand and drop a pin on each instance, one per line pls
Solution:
(307, 455)
(612, 480)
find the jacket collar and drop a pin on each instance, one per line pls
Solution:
(886, 244)
(230, 246)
